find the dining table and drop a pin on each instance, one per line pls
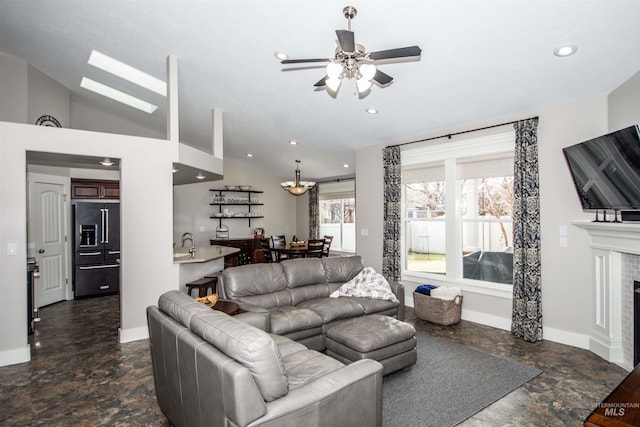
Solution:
(298, 250)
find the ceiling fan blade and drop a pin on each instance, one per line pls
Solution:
(402, 52)
(382, 78)
(322, 82)
(346, 40)
(302, 61)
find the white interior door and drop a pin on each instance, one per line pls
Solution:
(48, 216)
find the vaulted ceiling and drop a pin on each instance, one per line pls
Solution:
(480, 60)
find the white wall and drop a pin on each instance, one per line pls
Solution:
(13, 86)
(46, 97)
(146, 223)
(565, 271)
(192, 210)
(624, 104)
(86, 117)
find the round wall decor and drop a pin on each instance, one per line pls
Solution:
(48, 121)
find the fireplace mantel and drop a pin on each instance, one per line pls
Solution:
(608, 242)
(618, 237)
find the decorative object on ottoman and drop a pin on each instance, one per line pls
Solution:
(443, 306)
(381, 338)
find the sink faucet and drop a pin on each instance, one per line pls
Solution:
(192, 249)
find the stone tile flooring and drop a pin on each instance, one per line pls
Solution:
(79, 374)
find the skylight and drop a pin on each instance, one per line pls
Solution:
(117, 95)
(127, 72)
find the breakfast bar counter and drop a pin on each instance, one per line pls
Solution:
(207, 260)
(202, 254)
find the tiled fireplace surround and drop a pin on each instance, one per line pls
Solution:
(615, 254)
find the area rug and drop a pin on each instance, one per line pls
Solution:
(449, 383)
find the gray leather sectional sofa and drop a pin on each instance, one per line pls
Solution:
(211, 369)
(293, 296)
(264, 366)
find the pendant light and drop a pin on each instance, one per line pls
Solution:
(297, 187)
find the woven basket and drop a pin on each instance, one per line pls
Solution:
(437, 310)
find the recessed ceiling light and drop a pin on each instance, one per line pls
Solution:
(127, 72)
(117, 95)
(563, 51)
(200, 176)
(107, 162)
(249, 155)
(292, 142)
(346, 165)
(372, 111)
(280, 55)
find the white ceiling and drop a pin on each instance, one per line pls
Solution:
(480, 60)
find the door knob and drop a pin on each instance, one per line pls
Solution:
(41, 251)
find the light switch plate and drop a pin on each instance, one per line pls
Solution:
(12, 249)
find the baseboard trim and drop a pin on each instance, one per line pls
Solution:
(133, 334)
(565, 337)
(486, 319)
(13, 357)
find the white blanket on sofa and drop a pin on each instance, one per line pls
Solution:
(368, 284)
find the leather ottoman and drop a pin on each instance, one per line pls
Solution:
(385, 339)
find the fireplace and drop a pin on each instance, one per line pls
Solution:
(615, 255)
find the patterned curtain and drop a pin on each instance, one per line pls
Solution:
(392, 209)
(314, 212)
(527, 304)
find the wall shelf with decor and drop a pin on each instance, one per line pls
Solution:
(220, 199)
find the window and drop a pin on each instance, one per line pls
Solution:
(457, 207)
(338, 214)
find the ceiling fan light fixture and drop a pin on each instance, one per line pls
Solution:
(367, 71)
(333, 84)
(363, 85)
(334, 70)
(297, 187)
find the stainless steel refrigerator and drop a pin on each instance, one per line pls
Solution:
(96, 248)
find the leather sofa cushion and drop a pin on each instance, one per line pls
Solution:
(180, 306)
(308, 365)
(372, 305)
(253, 279)
(308, 292)
(331, 309)
(288, 319)
(247, 345)
(286, 346)
(342, 269)
(303, 272)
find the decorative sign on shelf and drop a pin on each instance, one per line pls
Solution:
(48, 121)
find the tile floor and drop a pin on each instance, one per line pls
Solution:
(79, 375)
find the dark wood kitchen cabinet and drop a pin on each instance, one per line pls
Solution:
(95, 189)
(250, 250)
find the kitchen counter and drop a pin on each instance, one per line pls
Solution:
(203, 254)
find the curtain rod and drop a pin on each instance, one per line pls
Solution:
(449, 135)
(352, 178)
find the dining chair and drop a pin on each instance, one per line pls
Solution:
(315, 248)
(265, 244)
(279, 241)
(327, 245)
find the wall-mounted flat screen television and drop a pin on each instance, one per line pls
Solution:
(606, 170)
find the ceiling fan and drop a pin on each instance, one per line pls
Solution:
(352, 61)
